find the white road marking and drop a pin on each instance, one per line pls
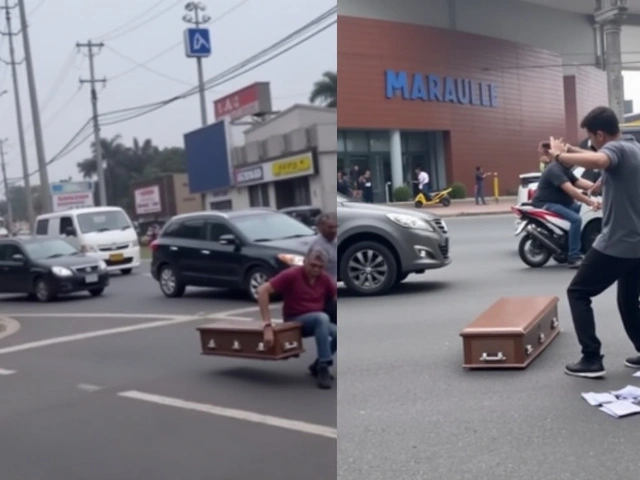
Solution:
(6, 372)
(11, 326)
(295, 425)
(95, 315)
(87, 387)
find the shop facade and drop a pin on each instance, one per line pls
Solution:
(471, 101)
(288, 160)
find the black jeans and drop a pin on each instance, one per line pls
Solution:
(597, 273)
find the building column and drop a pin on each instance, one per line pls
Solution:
(396, 159)
(610, 17)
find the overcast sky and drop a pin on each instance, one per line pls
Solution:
(56, 26)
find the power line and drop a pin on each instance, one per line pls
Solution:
(132, 20)
(140, 25)
(36, 8)
(61, 77)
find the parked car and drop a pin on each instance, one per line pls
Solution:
(105, 233)
(380, 246)
(237, 250)
(45, 268)
(306, 214)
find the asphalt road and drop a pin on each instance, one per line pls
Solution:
(115, 388)
(408, 410)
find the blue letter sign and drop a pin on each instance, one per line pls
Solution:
(440, 89)
(197, 42)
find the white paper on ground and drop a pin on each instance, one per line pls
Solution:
(629, 392)
(619, 409)
(597, 399)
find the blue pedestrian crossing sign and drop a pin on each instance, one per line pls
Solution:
(197, 42)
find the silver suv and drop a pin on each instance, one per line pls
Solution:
(380, 246)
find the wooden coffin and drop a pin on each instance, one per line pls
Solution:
(511, 333)
(243, 339)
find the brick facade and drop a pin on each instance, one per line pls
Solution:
(584, 89)
(529, 83)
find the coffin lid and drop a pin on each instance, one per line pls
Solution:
(245, 326)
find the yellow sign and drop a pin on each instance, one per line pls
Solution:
(292, 166)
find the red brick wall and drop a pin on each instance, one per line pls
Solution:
(503, 139)
(584, 89)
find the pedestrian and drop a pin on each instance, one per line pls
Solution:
(367, 187)
(327, 240)
(423, 182)
(354, 176)
(343, 185)
(615, 255)
(305, 291)
(480, 176)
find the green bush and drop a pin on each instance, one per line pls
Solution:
(401, 194)
(458, 190)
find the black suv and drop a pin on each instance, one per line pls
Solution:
(237, 250)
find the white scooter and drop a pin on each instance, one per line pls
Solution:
(547, 234)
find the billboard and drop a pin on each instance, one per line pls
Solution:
(70, 195)
(208, 155)
(147, 200)
(248, 101)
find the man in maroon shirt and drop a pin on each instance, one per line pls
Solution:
(305, 291)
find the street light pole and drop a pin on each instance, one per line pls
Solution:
(197, 19)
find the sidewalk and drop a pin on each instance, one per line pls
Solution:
(465, 207)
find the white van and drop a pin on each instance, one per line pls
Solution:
(106, 233)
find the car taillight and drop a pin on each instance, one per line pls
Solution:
(153, 245)
(530, 193)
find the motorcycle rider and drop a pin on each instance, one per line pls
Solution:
(559, 191)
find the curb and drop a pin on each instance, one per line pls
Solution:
(474, 214)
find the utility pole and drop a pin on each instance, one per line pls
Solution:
(35, 111)
(90, 46)
(6, 186)
(16, 94)
(198, 20)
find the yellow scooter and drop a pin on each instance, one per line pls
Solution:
(441, 198)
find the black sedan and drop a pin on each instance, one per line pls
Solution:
(236, 250)
(45, 268)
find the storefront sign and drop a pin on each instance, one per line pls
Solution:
(249, 175)
(441, 89)
(292, 166)
(69, 201)
(252, 100)
(147, 200)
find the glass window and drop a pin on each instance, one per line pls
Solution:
(259, 195)
(65, 223)
(270, 226)
(103, 221)
(42, 227)
(7, 251)
(417, 142)
(191, 230)
(356, 141)
(379, 141)
(216, 230)
(341, 142)
(52, 248)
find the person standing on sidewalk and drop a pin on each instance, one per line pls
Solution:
(305, 291)
(615, 255)
(480, 176)
(367, 187)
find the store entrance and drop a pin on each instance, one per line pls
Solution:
(292, 193)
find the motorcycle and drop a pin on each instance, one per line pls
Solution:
(547, 234)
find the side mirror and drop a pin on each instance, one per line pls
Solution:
(18, 258)
(70, 232)
(227, 239)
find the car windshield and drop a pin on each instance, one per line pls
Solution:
(271, 226)
(52, 248)
(103, 221)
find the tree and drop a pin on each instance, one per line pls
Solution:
(325, 90)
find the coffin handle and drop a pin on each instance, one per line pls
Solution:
(499, 357)
(290, 346)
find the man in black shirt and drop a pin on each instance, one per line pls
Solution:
(557, 192)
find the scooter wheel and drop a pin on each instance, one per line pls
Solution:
(446, 201)
(417, 204)
(532, 253)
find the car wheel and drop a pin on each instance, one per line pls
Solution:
(44, 290)
(446, 201)
(170, 285)
(126, 271)
(368, 268)
(255, 278)
(96, 292)
(590, 233)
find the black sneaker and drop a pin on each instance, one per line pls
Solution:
(574, 263)
(324, 379)
(586, 368)
(313, 370)
(633, 362)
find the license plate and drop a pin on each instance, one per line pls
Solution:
(93, 278)
(520, 228)
(116, 257)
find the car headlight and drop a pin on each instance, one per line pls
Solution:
(291, 260)
(135, 243)
(61, 271)
(102, 266)
(409, 221)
